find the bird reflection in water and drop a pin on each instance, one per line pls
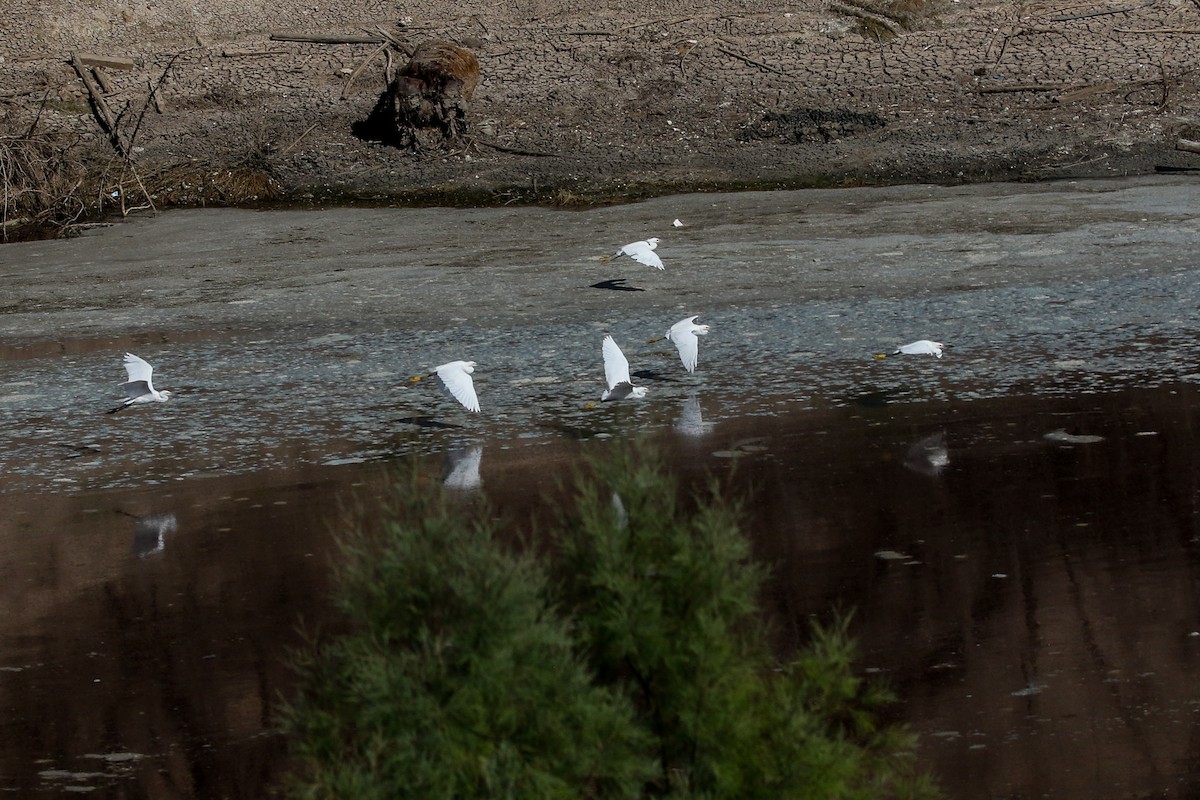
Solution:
(462, 468)
(150, 532)
(929, 455)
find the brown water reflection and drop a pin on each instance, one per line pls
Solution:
(1035, 603)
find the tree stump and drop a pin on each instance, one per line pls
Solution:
(428, 100)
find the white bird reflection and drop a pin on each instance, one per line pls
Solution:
(691, 419)
(620, 515)
(150, 532)
(929, 455)
(462, 468)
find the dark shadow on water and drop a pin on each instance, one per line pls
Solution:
(427, 422)
(1034, 602)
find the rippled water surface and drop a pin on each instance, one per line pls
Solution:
(1015, 524)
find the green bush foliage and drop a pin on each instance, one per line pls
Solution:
(630, 661)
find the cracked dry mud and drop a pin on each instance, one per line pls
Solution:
(614, 98)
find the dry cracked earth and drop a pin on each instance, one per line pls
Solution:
(584, 101)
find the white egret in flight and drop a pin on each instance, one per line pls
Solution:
(642, 252)
(139, 388)
(683, 334)
(616, 373)
(456, 377)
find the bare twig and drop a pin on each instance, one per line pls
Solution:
(1107, 12)
(296, 141)
(323, 38)
(1160, 31)
(396, 43)
(359, 69)
(749, 60)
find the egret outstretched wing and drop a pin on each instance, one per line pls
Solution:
(138, 372)
(616, 366)
(684, 335)
(456, 377)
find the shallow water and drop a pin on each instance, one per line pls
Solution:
(1035, 602)
(1015, 524)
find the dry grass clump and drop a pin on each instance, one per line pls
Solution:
(43, 182)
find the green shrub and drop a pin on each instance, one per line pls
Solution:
(639, 668)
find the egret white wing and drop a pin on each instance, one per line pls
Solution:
(456, 377)
(138, 369)
(686, 342)
(643, 253)
(922, 347)
(616, 366)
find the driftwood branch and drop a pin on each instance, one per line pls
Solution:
(323, 38)
(99, 107)
(1188, 146)
(102, 79)
(109, 62)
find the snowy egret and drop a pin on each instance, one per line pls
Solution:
(642, 252)
(616, 373)
(920, 348)
(683, 334)
(456, 377)
(139, 388)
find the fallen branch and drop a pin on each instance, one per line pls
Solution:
(1188, 146)
(1105, 13)
(1031, 87)
(102, 80)
(359, 69)
(99, 107)
(1164, 31)
(750, 61)
(396, 43)
(590, 33)
(110, 62)
(503, 148)
(1107, 86)
(326, 38)
(234, 53)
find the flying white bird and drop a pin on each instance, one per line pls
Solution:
(677, 224)
(683, 334)
(139, 388)
(616, 373)
(456, 377)
(642, 252)
(921, 347)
